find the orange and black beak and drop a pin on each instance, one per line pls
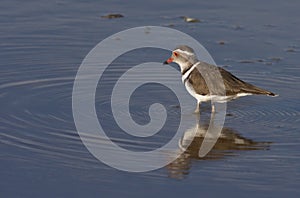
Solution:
(170, 60)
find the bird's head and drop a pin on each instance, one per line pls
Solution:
(183, 55)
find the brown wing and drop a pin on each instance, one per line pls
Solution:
(233, 85)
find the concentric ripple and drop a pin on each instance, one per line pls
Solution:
(269, 115)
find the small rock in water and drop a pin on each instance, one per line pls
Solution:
(190, 20)
(270, 25)
(246, 61)
(290, 50)
(260, 60)
(237, 27)
(175, 106)
(222, 42)
(147, 30)
(112, 16)
(275, 59)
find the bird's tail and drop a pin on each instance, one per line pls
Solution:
(272, 94)
(258, 91)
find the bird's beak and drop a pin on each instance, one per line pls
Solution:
(170, 60)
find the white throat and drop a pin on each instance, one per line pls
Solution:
(184, 66)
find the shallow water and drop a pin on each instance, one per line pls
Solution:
(42, 46)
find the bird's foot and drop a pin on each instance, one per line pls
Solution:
(197, 110)
(213, 109)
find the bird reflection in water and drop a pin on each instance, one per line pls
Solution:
(227, 144)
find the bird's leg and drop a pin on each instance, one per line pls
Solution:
(213, 108)
(197, 110)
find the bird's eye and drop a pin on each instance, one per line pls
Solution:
(175, 54)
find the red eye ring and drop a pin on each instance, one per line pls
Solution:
(175, 54)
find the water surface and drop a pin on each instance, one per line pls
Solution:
(42, 46)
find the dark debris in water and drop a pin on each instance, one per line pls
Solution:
(270, 25)
(190, 19)
(175, 106)
(112, 16)
(268, 61)
(275, 59)
(117, 38)
(290, 50)
(246, 61)
(222, 42)
(147, 30)
(260, 60)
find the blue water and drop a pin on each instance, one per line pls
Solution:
(42, 45)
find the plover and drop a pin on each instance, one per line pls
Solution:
(195, 84)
